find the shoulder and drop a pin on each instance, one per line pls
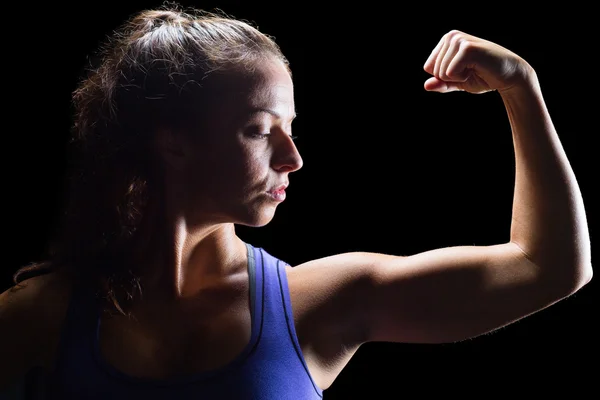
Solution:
(330, 293)
(40, 294)
(31, 317)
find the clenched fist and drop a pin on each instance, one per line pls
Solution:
(465, 62)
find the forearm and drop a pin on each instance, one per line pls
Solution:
(548, 216)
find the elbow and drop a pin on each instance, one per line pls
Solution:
(576, 280)
(585, 276)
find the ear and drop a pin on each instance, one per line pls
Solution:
(171, 148)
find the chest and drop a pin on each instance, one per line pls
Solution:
(175, 344)
(164, 341)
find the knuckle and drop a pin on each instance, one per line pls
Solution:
(466, 45)
(453, 33)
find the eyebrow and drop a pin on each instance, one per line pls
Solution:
(257, 110)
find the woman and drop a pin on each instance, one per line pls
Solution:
(182, 130)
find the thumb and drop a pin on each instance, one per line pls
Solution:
(434, 84)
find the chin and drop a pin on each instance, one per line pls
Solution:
(262, 221)
(258, 218)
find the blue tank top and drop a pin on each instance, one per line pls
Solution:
(270, 367)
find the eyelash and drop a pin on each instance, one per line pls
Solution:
(265, 135)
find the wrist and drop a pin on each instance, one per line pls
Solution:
(526, 82)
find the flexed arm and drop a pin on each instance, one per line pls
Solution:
(548, 218)
(455, 293)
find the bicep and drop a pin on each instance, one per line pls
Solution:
(454, 293)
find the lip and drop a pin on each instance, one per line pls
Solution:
(278, 194)
(279, 188)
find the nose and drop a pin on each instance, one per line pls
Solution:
(286, 157)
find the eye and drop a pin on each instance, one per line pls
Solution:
(266, 136)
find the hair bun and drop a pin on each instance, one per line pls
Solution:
(156, 18)
(164, 15)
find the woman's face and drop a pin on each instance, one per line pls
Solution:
(245, 149)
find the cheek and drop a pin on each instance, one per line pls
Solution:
(239, 172)
(253, 166)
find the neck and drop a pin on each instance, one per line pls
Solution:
(178, 265)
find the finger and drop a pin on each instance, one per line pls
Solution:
(449, 57)
(458, 68)
(434, 84)
(429, 64)
(440, 56)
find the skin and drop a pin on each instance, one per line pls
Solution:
(248, 141)
(342, 301)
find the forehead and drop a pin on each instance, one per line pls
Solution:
(268, 85)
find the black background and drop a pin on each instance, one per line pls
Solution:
(388, 167)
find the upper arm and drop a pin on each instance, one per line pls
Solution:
(455, 293)
(443, 295)
(20, 344)
(30, 319)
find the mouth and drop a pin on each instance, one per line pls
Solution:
(277, 195)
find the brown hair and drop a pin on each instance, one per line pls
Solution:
(155, 71)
